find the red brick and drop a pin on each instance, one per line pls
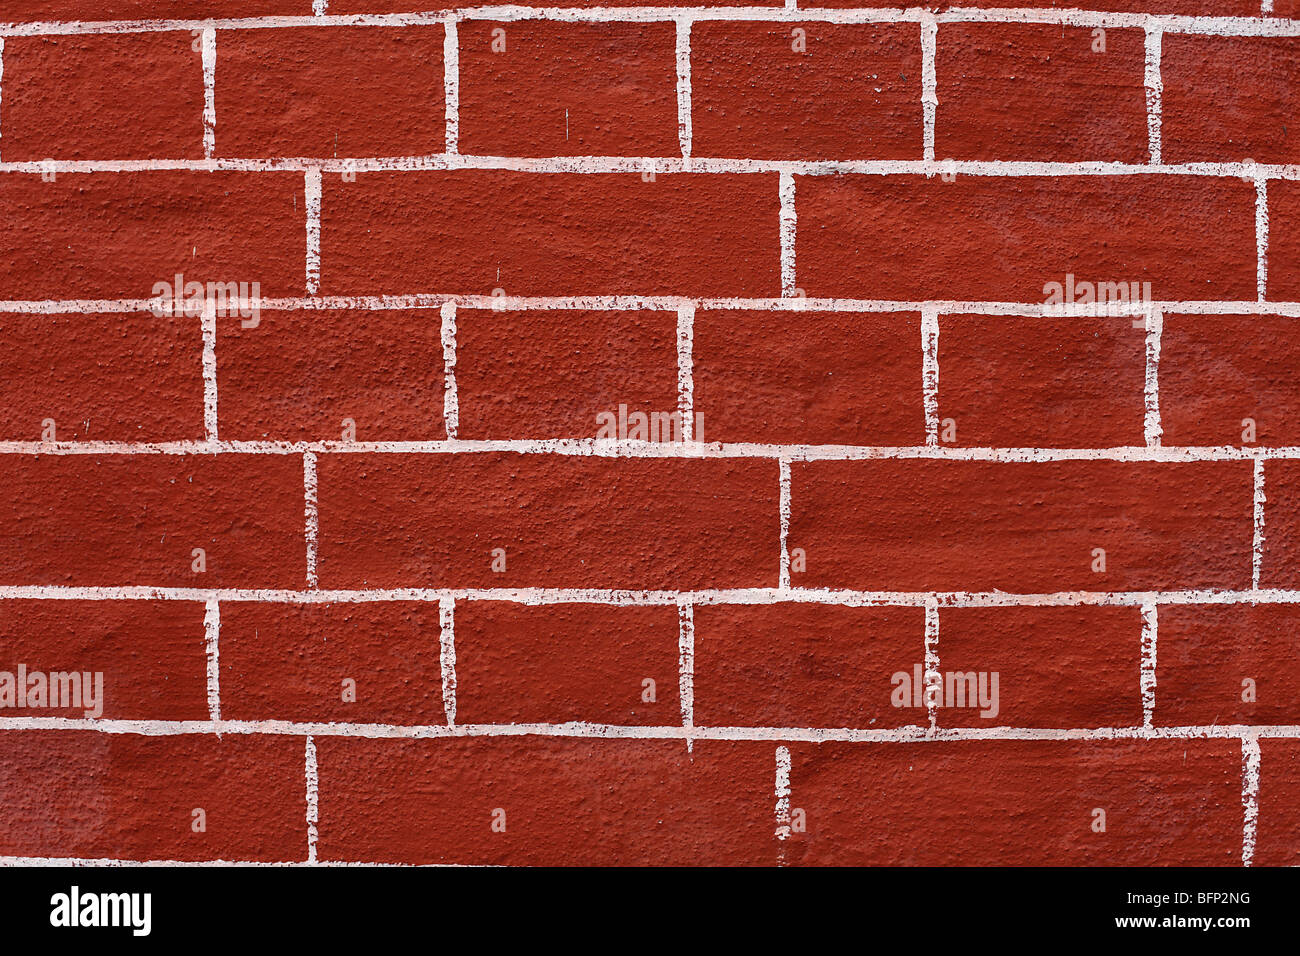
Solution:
(981, 237)
(1021, 803)
(809, 377)
(568, 89)
(100, 377)
(804, 665)
(551, 373)
(473, 231)
(289, 662)
(1283, 240)
(330, 91)
(298, 375)
(116, 96)
(1277, 835)
(24, 11)
(1025, 527)
(566, 802)
(1226, 99)
(134, 520)
(1063, 667)
(556, 663)
(1010, 381)
(1016, 91)
(1216, 371)
(852, 92)
(150, 653)
(1280, 561)
(563, 521)
(129, 797)
(115, 235)
(1205, 654)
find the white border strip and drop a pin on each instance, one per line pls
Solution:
(1250, 760)
(592, 731)
(313, 798)
(630, 598)
(312, 194)
(212, 641)
(1257, 545)
(930, 375)
(1154, 91)
(685, 133)
(451, 85)
(929, 84)
(447, 656)
(450, 395)
(209, 48)
(311, 514)
(209, 330)
(686, 665)
(1147, 680)
(1261, 239)
(439, 162)
(788, 229)
(1152, 428)
(686, 370)
(950, 308)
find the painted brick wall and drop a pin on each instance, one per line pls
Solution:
(619, 434)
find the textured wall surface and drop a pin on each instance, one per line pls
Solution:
(742, 434)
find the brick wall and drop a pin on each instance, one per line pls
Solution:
(624, 434)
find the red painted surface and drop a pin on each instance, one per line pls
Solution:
(563, 521)
(1022, 382)
(900, 525)
(149, 652)
(1219, 371)
(1279, 811)
(366, 578)
(114, 520)
(106, 796)
(95, 379)
(565, 802)
(1057, 666)
(1208, 654)
(315, 91)
(553, 664)
(1023, 802)
(302, 376)
(536, 88)
(804, 665)
(828, 91)
(530, 374)
(1002, 238)
(1284, 239)
(1280, 567)
(108, 235)
(1228, 99)
(118, 96)
(1022, 92)
(550, 234)
(808, 377)
(288, 662)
